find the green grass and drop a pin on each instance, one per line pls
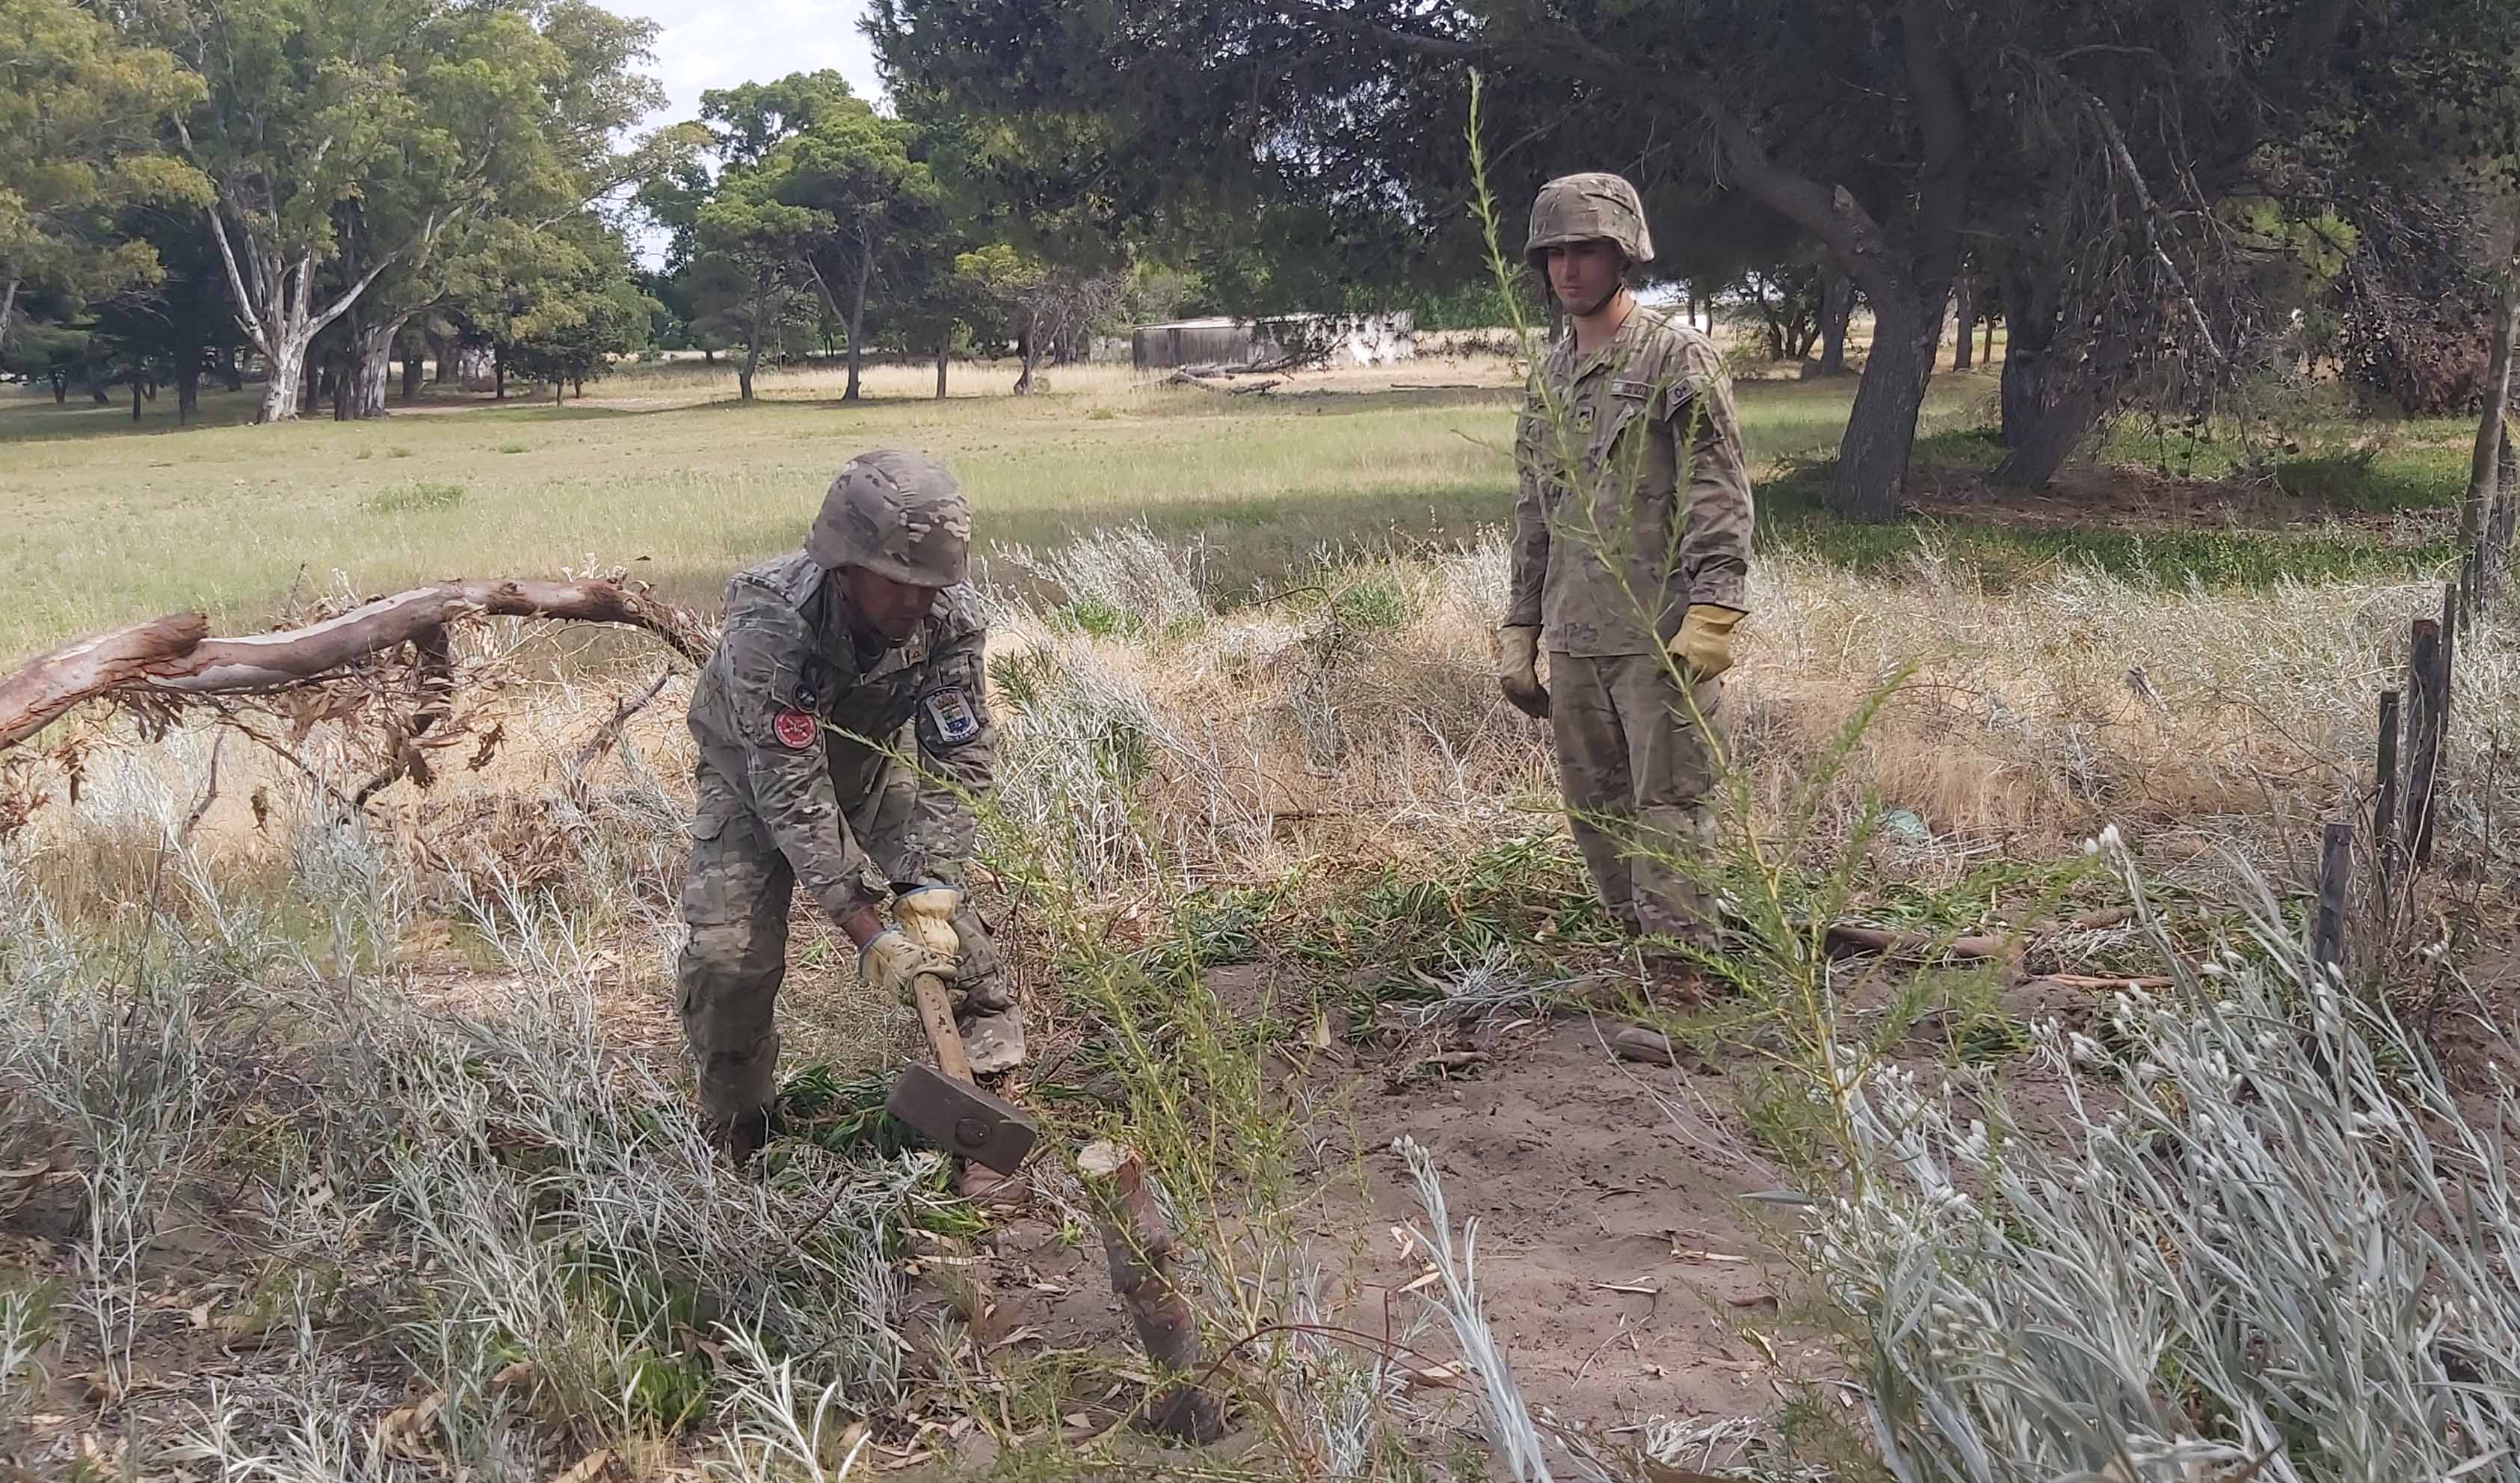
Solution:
(102, 524)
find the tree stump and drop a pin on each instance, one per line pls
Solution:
(1140, 1248)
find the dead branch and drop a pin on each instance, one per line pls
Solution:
(174, 656)
(210, 794)
(609, 733)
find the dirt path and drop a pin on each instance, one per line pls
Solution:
(1616, 1263)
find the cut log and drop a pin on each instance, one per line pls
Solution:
(175, 654)
(1140, 1248)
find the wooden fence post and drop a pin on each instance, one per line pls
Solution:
(2384, 808)
(2335, 887)
(2423, 736)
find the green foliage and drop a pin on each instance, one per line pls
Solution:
(79, 145)
(844, 1115)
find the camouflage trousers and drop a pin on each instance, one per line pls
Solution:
(1638, 774)
(736, 901)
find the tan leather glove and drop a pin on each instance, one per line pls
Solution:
(1704, 644)
(890, 961)
(925, 917)
(1519, 671)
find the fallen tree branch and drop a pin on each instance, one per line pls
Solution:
(1846, 939)
(175, 656)
(609, 734)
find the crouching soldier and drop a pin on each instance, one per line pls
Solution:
(1630, 547)
(843, 732)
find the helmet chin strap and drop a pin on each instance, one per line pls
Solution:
(1597, 305)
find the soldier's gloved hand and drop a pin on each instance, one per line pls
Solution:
(1704, 644)
(925, 914)
(1519, 671)
(891, 963)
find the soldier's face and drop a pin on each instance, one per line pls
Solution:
(888, 610)
(1584, 274)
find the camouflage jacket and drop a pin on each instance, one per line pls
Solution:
(787, 705)
(1608, 553)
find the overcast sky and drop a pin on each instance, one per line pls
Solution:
(719, 43)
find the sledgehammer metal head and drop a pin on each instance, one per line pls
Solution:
(961, 1118)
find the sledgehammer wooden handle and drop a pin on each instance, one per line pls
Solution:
(936, 1012)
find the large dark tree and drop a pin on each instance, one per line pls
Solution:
(2093, 138)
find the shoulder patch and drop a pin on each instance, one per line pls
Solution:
(947, 719)
(793, 728)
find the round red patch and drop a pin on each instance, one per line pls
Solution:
(793, 728)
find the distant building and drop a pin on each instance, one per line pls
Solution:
(1237, 344)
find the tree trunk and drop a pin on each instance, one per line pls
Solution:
(230, 371)
(2484, 463)
(8, 310)
(1963, 320)
(370, 361)
(856, 313)
(944, 358)
(274, 305)
(557, 388)
(1028, 350)
(411, 374)
(1141, 1252)
(499, 373)
(1986, 347)
(1692, 308)
(135, 398)
(442, 355)
(751, 363)
(61, 390)
(2046, 408)
(1881, 429)
(284, 385)
(188, 387)
(1836, 307)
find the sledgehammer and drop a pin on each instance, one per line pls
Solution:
(945, 1106)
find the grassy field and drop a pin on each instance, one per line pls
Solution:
(102, 523)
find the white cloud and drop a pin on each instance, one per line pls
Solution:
(706, 44)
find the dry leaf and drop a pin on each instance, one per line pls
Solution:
(404, 1431)
(593, 1465)
(1426, 1278)
(245, 1331)
(515, 1373)
(1433, 1377)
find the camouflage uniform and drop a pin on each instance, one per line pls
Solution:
(1610, 549)
(794, 715)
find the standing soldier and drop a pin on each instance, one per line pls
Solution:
(1632, 543)
(838, 662)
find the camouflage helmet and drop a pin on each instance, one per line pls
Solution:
(898, 515)
(1590, 207)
